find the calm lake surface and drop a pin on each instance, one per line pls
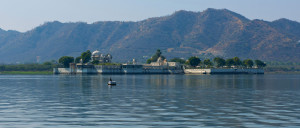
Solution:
(270, 100)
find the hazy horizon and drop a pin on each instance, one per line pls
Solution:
(25, 15)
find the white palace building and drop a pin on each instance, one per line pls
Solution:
(96, 55)
(159, 67)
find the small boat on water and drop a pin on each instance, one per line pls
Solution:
(110, 82)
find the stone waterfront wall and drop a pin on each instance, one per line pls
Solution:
(117, 70)
(62, 70)
(224, 71)
(107, 69)
(197, 71)
(151, 70)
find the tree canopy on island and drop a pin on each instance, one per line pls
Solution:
(260, 64)
(181, 61)
(207, 63)
(229, 62)
(219, 61)
(248, 63)
(86, 56)
(95, 62)
(155, 57)
(66, 60)
(77, 59)
(194, 61)
(237, 61)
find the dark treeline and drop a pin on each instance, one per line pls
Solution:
(283, 68)
(47, 66)
(276, 63)
(85, 58)
(274, 66)
(217, 62)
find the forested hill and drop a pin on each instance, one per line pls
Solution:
(182, 34)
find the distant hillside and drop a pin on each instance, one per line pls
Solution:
(182, 34)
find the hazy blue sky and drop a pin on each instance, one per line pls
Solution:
(23, 15)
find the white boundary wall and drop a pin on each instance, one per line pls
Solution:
(155, 71)
(224, 71)
(61, 70)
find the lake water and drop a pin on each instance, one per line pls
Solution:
(270, 100)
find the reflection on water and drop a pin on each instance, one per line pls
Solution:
(150, 101)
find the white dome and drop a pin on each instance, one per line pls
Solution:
(96, 53)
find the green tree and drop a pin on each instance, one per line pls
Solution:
(66, 60)
(148, 61)
(96, 62)
(162, 57)
(2, 68)
(219, 61)
(77, 59)
(248, 63)
(182, 61)
(156, 56)
(260, 64)
(53, 61)
(229, 62)
(86, 56)
(207, 63)
(47, 63)
(194, 61)
(237, 61)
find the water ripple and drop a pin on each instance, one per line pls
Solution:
(150, 101)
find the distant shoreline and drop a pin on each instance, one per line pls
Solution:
(283, 72)
(26, 73)
(50, 72)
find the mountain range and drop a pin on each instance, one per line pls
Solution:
(213, 32)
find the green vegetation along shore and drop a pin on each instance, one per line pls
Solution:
(26, 72)
(192, 62)
(30, 69)
(268, 69)
(284, 68)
